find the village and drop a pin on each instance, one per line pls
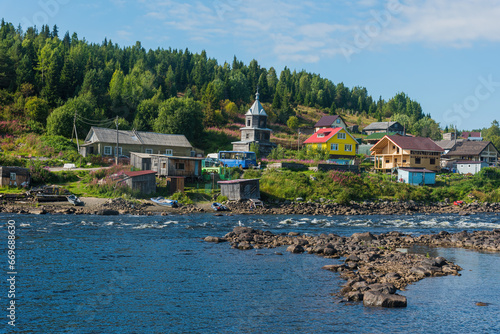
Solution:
(163, 165)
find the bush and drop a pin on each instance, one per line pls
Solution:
(181, 198)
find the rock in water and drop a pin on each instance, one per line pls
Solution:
(374, 298)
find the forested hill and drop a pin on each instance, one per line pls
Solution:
(46, 77)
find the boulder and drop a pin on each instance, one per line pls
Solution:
(380, 299)
(387, 288)
(214, 239)
(295, 249)
(367, 236)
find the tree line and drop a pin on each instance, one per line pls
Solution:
(46, 78)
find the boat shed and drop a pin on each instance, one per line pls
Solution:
(14, 176)
(240, 189)
(416, 176)
(143, 181)
(470, 167)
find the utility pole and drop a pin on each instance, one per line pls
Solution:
(76, 133)
(116, 158)
(298, 141)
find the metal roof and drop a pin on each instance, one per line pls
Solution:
(139, 173)
(417, 170)
(104, 135)
(322, 136)
(470, 148)
(415, 143)
(327, 120)
(256, 108)
(379, 126)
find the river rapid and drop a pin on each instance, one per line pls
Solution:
(155, 274)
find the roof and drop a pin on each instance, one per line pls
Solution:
(467, 134)
(153, 155)
(417, 170)
(133, 137)
(379, 135)
(447, 144)
(415, 143)
(237, 181)
(379, 126)
(139, 173)
(469, 148)
(327, 121)
(470, 162)
(256, 108)
(322, 136)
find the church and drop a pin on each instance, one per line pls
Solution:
(255, 130)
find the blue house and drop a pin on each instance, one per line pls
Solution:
(416, 176)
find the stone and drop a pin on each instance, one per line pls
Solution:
(383, 287)
(107, 212)
(380, 299)
(214, 239)
(295, 249)
(367, 236)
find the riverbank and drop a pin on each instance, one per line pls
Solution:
(102, 206)
(374, 266)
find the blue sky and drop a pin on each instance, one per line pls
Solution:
(442, 53)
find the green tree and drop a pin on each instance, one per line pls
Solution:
(37, 109)
(180, 116)
(293, 123)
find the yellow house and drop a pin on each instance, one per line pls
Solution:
(337, 141)
(401, 151)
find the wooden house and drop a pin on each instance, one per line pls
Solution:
(14, 176)
(330, 121)
(410, 152)
(337, 141)
(236, 190)
(143, 181)
(167, 165)
(384, 127)
(102, 141)
(474, 151)
(470, 167)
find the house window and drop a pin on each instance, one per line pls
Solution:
(179, 166)
(386, 161)
(318, 146)
(107, 150)
(404, 161)
(338, 120)
(169, 152)
(433, 161)
(149, 151)
(119, 150)
(248, 122)
(247, 136)
(341, 136)
(417, 161)
(396, 160)
(12, 176)
(334, 147)
(348, 147)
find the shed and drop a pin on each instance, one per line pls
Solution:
(175, 183)
(143, 181)
(167, 165)
(14, 176)
(470, 167)
(416, 176)
(236, 190)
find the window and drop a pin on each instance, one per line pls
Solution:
(386, 161)
(396, 160)
(417, 161)
(107, 150)
(169, 152)
(404, 161)
(248, 122)
(348, 147)
(247, 136)
(179, 166)
(341, 136)
(12, 176)
(433, 161)
(334, 147)
(119, 150)
(318, 146)
(338, 120)
(149, 151)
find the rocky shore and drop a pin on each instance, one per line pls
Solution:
(374, 266)
(326, 208)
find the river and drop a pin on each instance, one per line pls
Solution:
(154, 274)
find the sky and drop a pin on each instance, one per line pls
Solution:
(441, 53)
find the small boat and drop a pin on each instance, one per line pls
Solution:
(73, 199)
(458, 203)
(165, 202)
(219, 207)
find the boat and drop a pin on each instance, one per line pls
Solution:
(219, 207)
(164, 201)
(73, 199)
